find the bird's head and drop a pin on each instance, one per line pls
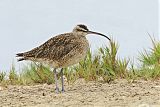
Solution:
(82, 30)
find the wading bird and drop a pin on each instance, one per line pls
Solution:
(61, 51)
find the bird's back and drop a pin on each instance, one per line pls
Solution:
(55, 50)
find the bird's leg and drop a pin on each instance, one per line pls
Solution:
(62, 79)
(56, 81)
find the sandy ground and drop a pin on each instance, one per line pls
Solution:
(119, 93)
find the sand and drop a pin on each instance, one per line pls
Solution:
(119, 93)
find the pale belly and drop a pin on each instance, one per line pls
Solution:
(76, 58)
(72, 61)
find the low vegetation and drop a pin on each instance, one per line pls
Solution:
(150, 62)
(104, 66)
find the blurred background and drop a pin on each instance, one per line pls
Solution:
(25, 24)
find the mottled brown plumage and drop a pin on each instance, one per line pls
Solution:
(61, 51)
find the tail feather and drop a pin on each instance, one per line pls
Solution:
(21, 59)
(20, 55)
(23, 56)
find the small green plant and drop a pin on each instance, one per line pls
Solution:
(132, 73)
(37, 74)
(121, 68)
(70, 74)
(146, 73)
(109, 57)
(89, 67)
(150, 61)
(111, 65)
(151, 57)
(13, 77)
(2, 76)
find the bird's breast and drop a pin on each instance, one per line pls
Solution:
(77, 54)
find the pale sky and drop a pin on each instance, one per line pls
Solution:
(25, 24)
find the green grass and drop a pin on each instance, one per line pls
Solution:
(105, 66)
(152, 56)
(2, 76)
(34, 73)
(150, 62)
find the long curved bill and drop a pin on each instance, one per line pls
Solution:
(91, 32)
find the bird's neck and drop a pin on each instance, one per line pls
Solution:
(79, 35)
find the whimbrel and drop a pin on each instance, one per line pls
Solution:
(62, 50)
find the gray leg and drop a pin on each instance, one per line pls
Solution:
(56, 81)
(62, 80)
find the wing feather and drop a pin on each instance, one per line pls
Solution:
(54, 49)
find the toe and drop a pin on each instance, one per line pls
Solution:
(63, 91)
(57, 90)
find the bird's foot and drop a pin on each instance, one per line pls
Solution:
(57, 90)
(63, 91)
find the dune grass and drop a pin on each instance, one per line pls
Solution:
(150, 61)
(104, 66)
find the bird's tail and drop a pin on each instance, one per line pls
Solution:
(21, 59)
(21, 55)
